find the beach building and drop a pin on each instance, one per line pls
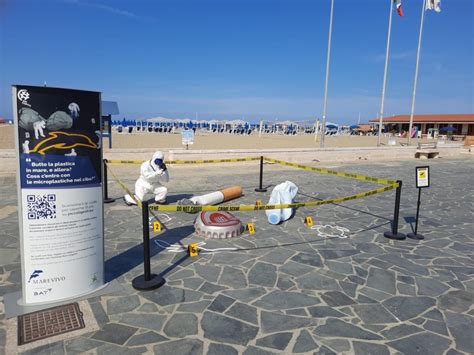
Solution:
(455, 124)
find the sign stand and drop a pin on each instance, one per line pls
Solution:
(422, 181)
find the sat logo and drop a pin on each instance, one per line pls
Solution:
(42, 292)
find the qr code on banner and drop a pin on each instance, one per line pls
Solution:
(41, 206)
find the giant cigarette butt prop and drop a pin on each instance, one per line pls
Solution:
(217, 197)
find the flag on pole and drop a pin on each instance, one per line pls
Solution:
(398, 4)
(433, 5)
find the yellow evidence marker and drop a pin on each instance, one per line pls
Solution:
(193, 249)
(251, 228)
(156, 226)
(308, 221)
(258, 203)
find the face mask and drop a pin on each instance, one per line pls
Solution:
(158, 162)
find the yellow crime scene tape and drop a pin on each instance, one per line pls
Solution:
(389, 185)
(248, 208)
(124, 187)
(335, 172)
(203, 161)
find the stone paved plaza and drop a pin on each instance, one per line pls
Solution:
(289, 288)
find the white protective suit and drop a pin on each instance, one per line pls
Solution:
(152, 172)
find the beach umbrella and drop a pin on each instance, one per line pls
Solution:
(354, 126)
(331, 126)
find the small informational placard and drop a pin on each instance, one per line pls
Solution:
(422, 176)
(60, 196)
(187, 137)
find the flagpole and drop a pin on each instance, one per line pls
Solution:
(385, 73)
(415, 81)
(323, 126)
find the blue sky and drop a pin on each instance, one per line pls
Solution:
(239, 58)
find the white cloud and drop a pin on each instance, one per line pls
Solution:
(103, 7)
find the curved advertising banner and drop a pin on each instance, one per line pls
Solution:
(59, 192)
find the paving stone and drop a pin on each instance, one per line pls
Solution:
(253, 350)
(196, 307)
(228, 330)
(383, 280)
(246, 295)
(456, 301)
(405, 308)
(304, 343)
(275, 322)
(114, 333)
(263, 274)
(336, 299)
(324, 351)
(434, 314)
(361, 348)
(308, 259)
(436, 327)
(146, 338)
(277, 341)
(210, 289)
(422, 343)
(179, 275)
(297, 312)
(430, 287)
(338, 328)
(230, 258)
(233, 277)
(317, 282)
(277, 300)
(221, 303)
(277, 258)
(182, 346)
(374, 314)
(401, 331)
(337, 254)
(405, 264)
(244, 312)
(181, 325)
(209, 273)
(56, 348)
(112, 349)
(295, 269)
(324, 311)
(122, 304)
(193, 283)
(148, 308)
(284, 282)
(221, 349)
(364, 299)
(80, 345)
(148, 321)
(165, 296)
(361, 272)
(406, 290)
(406, 279)
(349, 288)
(338, 345)
(99, 313)
(462, 328)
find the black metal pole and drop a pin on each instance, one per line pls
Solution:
(416, 235)
(260, 188)
(107, 199)
(394, 234)
(147, 281)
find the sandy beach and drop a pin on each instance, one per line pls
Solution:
(209, 141)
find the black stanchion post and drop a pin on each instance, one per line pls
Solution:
(107, 199)
(147, 281)
(260, 188)
(394, 234)
(415, 235)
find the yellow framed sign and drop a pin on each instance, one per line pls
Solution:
(422, 176)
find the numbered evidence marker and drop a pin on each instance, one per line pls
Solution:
(156, 227)
(422, 176)
(251, 228)
(193, 249)
(258, 203)
(308, 221)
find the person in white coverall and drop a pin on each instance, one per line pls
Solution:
(152, 172)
